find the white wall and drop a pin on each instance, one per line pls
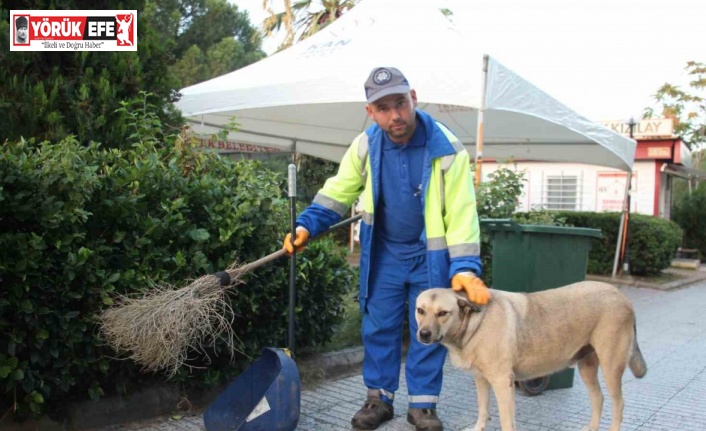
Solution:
(590, 177)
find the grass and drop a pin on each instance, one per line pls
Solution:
(347, 334)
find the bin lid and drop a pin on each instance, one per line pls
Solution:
(504, 225)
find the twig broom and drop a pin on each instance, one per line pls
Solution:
(159, 329)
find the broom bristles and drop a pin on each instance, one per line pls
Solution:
(161, 328)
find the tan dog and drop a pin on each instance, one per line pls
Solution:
(524, 336)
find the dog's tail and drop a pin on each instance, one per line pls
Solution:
(637, 362)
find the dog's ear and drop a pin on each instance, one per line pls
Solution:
(467, 306)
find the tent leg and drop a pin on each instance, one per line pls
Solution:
(621, 229)
(479, 133)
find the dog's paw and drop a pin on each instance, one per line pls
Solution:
(479, 427)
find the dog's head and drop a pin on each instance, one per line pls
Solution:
(440, 313)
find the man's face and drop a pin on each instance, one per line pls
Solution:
(395, 115)
(22, 32)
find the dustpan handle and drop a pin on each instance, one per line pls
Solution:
(292, 175)
(282, 252)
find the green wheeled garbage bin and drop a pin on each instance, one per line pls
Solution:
(530, 258)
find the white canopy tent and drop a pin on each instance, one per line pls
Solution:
(309, 98)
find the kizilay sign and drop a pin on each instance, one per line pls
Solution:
(650, 128)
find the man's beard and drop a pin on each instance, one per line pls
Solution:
(21, 39)
(399, 133)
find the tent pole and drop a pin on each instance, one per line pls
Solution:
(622, 237)
(625, 252)
(479, 134)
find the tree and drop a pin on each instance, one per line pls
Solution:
(210, 37)
(303, 18)
(688, 211)
(191, 67)
(686, 106)
(49, 95)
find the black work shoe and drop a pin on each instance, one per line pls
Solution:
(373, 413)
(424, 419)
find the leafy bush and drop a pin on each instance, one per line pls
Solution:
(81, 224)
(496, 198)
(539, 218)
(688, 212)
(652, 241)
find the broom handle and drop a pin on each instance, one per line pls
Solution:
(282, 252)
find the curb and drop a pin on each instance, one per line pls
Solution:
(676, 284)
(168, 399)
(328, 365)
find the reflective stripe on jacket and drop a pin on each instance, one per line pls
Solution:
(451, 233)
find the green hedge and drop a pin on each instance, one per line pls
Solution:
(81, 224)
(652, 241)
(688, 212)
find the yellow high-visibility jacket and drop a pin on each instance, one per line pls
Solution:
(451, 228)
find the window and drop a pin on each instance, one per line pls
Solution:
(561, 192)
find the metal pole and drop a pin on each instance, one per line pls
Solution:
(621, 249)
(292, 174)
(625, 223)
(626, 248)
(479, 134)
(618, 243)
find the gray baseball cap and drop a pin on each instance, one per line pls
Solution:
(384, 81)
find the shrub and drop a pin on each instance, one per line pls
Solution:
(81, 224)
(652, 241)
(496, 198)
(602, 254)
(539, 218)
(688, 212)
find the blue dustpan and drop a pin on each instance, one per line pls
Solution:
(266, 397)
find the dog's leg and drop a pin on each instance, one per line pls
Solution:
(483, 391)
(613, 358)
(588, 368)
(504, 389)
(613, 375)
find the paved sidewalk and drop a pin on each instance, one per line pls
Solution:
(672, 396)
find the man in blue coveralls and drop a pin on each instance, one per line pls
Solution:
(419, 230)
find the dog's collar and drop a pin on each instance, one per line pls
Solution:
(461, 331)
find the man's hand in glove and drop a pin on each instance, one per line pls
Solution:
(299, 240)
(476, 291)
